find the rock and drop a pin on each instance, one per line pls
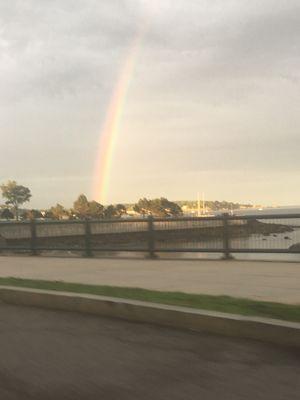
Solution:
(287, 238)
(295, 247)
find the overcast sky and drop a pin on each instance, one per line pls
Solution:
(213, 104)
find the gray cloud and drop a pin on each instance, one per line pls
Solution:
(49, 48)
(215, 91)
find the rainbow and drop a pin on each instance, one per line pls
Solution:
(111, 127)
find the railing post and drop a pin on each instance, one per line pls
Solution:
(226, 238)
(87, 239)
(33, 237)
(151, 238)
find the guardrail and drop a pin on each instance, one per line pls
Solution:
(225, 234)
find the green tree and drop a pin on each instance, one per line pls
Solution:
(31, 214)
(48, 214)
(7, 214)
(143, 206)
(109, 211)
(120, 210)
(15, 195)
(161, 207)
(170, 208)
(58, 212)
(81, 206)
(95, 210)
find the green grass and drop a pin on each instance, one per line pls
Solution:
(225, 304)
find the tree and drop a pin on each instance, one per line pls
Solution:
(143, 206)
(81, 206)
(47, 214)
(120, 210)
(169, 207)
(116, 211)
(31, 214)
(7, 214)
(95, 210)
(58, 211)
(158, 207)
(109, 211)
(15, 195)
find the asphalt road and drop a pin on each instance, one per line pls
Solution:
(59, 355)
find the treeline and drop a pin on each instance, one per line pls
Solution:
(160, 207)
(83, 208)
(16, 195)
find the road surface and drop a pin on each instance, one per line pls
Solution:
(270, 281)
(47, 355)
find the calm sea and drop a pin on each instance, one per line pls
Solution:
(258, 241)
(268, 211)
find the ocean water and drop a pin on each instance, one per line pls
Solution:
(257, 241)
(269, 211)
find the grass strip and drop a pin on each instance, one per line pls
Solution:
(224, 304)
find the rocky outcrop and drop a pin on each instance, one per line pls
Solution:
(295, 247)
(266, 229)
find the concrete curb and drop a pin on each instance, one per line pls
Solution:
(267, 330)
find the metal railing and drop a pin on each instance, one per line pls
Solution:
(223, 234)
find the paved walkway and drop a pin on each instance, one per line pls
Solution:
(47, 355)
(272, 281)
